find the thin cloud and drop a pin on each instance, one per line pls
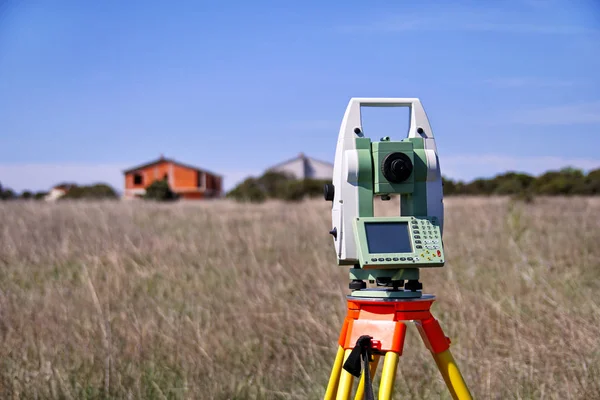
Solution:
(572, 114)
(314, 125)
(523, 82)
(463, 22)
(467, 167)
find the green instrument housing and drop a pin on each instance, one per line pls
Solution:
(382, 149)
(420, 235)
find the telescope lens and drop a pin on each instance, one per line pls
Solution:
(396, 167)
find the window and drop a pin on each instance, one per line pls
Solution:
(138, 179)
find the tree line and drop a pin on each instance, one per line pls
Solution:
(563, 182)
(277, 185)
(159, 190)
(95, 191)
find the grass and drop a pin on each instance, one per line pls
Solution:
(225, 301)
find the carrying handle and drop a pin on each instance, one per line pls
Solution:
(418, 123)
(386, 102)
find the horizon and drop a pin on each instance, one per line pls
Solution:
(88, 90)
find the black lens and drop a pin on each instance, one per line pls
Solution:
(396, 167)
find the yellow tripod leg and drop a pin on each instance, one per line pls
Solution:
(360, 391)
(452, 376)
(388, 375)
(346, 380)
(335, 374)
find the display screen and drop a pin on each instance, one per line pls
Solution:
(388, 237)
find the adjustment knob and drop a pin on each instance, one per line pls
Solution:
(357, 284)
(333, 233)
(328, 191)
(413, 285)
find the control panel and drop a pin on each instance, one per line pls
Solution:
(399, 242)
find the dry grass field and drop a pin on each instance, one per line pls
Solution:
(225, 301)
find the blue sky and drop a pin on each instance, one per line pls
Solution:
(90, 88)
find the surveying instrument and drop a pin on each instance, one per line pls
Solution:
(387, 252)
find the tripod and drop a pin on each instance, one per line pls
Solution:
(383, 320)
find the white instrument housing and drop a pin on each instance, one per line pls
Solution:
(345, 170)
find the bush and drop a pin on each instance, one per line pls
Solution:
(276, 185)
(160, 191)
(592, 182)
(98, 191)
(293, 191)
(272, 183)
(6, 194)
(248, 191)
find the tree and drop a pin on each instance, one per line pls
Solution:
(513, 183)
(160, 191)
(273, 182)
(592, 182)
(567, 181)
(6, 194)
(250, 190)
(99, 191)
(449, 186)
(277, 185)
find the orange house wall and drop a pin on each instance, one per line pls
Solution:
(193, 195)
(149, 175)
(183, 178)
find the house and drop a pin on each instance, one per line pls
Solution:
(187, 181)
(303, 167)
(59, 191)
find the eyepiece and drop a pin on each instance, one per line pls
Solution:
(396, 167)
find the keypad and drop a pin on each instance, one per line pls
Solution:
(425, 233)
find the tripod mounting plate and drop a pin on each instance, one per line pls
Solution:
(385, 293)
(422, 298)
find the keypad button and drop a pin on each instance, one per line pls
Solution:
(388, 259)
(382, 259)
(395, 258)
(419, 246)
(402, 258)
(409, 258)
(373, 259)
